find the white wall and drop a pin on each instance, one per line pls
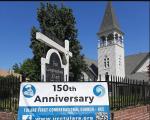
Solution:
(86, 77)
(144, 68)
(113, 52)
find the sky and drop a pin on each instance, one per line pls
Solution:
(17, 19)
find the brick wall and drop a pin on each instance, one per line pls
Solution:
(7, 116)
(135, 113)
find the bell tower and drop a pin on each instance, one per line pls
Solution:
(110, 46)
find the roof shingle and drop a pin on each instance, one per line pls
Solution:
(109, 20)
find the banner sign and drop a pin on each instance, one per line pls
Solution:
(64, 101)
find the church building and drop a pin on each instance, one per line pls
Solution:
(111, 53)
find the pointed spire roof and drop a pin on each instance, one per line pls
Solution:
(109, 20)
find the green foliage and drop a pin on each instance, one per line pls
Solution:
(28, 69)
(16, 68)
(59, 25)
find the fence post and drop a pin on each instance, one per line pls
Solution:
(112, 116)
(143, 93)
(23, 77)
(111, 92)
(100, 77)
(107, 77)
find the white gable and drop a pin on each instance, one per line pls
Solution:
(143, 67)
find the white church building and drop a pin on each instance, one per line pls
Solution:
(111, 54)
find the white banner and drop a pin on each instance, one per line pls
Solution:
(48, 101)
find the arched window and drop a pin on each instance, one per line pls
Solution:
(106, 62)
(120, 38)
(116, 36)
(110, 39)
(103, 40)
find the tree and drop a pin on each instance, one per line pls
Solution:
(16, 68)
(58, 23)
(27, 69)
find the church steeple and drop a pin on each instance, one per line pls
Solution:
(110, 46)
(109, 22)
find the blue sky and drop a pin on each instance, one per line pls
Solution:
(17, 18)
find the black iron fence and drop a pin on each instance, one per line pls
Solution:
(123, 92)
(9, 93)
